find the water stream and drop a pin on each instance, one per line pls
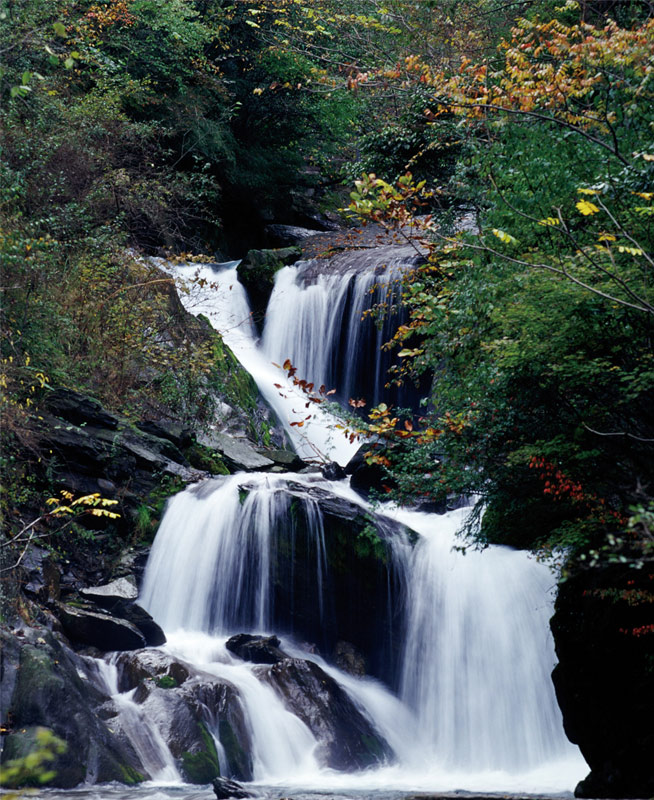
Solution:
(468, 704)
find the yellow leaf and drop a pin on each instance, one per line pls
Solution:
(503, 236)
(606, 237)
(583, 190)
(586, 208)
(633, 251)
(549, 221)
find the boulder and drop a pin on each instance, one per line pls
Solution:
(187, 715)
(290, 461)
(136, 666)
(94, 628)
(346, 739)
(257, 649)
(225, 789)
(366, 478)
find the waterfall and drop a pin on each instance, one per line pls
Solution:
(461, 641)
(332, 325)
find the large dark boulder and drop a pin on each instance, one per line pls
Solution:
(603, 630)
(48, 687)
(257, 649)
(91, 627)
(118, 598)
(347, 740)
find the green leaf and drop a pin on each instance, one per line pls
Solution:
(26, 77)
(59, 28)
(69, 63)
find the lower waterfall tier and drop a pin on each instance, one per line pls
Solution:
(460, 641)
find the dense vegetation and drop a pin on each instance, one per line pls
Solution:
(179, 125)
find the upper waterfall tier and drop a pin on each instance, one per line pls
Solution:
(331, 318)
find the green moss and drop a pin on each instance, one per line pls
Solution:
(203, 766)
(129, 775)
(166, 682)
(237, 758)
(373, 746)
(203, 458)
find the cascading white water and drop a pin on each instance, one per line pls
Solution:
(476, 708)
(143, 734)
(330, 336)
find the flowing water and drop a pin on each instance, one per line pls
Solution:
(472, 706)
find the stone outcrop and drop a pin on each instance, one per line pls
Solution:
(47, 686)
(603, 628)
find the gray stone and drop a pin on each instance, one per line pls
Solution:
(238, 452)
(120, 589)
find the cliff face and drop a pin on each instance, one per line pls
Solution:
(603, 629)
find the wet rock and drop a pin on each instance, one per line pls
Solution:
(186, 715)
(257, 649)
(98, 629)
(138, 665)
(237, 453)
(349, 659)
(290, 461)
(333, 471)
(51, 690)
(366, 478)
(225, 789)
(347, 740)
(288, 235)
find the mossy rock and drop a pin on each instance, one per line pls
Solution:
(201, 765)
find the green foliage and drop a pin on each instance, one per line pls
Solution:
(32, 769)
(537, 330)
